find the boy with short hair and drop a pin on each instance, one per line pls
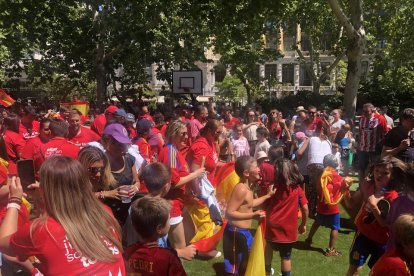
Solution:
(237, 238)
(157, 179)
(150, 218)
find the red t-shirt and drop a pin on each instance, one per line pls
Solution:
(201, 147)
(267, 175)
(151, 259)
(27, 133)
(392, 264)
(334, 187)
(373, 231)
(230, 124)
(132, 133)
(173, 159)
(59, 146)
(56, 254)
(31, 148)
(84, 137)
(275, 130)
(144, 148)
(282, 214)
(316, 125)
(163, 130)
(147, 116)
(98, 124)
(14, 143)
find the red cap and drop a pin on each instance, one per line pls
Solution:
(111, 109)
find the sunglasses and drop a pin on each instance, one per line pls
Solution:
(96, 170)
(312, 112)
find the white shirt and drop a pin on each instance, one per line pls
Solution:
(317, 149)
(261, 146)
(338, 124)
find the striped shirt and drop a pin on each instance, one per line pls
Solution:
(371, 131)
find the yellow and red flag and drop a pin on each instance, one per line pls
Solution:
(82, 106)
(5, 99)
(208, 235)
(256, 262)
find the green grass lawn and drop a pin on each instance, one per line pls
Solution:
(305, 261)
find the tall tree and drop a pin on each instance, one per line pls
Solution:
(355, 32)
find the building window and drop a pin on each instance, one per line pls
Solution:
(270, 71)
(288, 71)
(288, 42)
(219, 72)
(304, 78)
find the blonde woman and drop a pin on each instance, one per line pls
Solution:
(176, 136)
(74, 235)
(96, 163)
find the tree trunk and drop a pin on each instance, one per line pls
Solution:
(248, 92)
(100, 83)
(355, 50)
(316, 86)
(356, 44)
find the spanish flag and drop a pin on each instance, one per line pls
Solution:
(331, 177)
(256, 262)
(83, 107)
(208, 235)
(5, 99)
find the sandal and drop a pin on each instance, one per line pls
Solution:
(332, 253)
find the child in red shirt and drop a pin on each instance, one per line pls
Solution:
(150, 218)
(282, 214)
(331, 188)
(399, 261)
(372, 231)
(143, 131)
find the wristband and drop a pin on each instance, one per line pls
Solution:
(15, 200)
(15, 197)
(13, 205)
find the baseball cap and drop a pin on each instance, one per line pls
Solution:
(300, 135)
(130, 117)
(143, 126)
(121, 112)
(118, 132)
(111, 109)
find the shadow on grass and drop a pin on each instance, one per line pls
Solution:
(301, 245)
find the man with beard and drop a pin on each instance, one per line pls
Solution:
(78, 134)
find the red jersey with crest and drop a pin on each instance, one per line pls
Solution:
(151, 259)
(202, 148)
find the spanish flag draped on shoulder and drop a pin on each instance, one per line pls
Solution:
(5, 99)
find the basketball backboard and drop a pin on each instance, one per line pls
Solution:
(187, 82)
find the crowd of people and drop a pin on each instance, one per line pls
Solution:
(134, 190)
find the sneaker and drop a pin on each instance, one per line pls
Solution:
(332, 252)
